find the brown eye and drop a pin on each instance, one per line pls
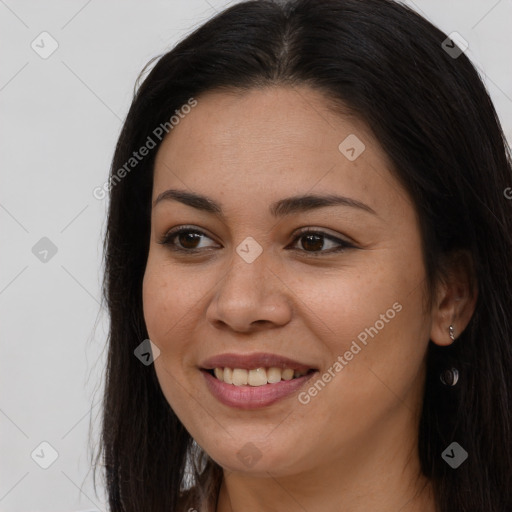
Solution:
(188, 240)
(314, 242)
(184, 239)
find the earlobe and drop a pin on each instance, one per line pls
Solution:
(455, 302)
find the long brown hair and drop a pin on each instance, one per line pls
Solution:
(432, 115)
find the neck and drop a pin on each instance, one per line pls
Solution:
(371, 475)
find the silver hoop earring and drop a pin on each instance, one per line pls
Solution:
(450, 377)
(451, 331)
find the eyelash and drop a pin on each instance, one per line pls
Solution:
(167, 240)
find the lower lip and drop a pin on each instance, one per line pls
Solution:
(253, 397)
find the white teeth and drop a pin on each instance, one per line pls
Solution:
(273, 375)
(257, 376)
(239, 377)
(287, 374)
(228, 376)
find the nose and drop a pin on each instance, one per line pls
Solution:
(250, 297)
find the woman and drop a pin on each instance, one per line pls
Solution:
(308, 221)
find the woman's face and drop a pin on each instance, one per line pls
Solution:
(345, 300)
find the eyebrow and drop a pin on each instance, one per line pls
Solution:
(281, 208)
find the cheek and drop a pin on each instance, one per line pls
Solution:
(174, 312)
(353, 304)
(155, 299)
(165, 307)
(164, 310)
(373, 318)
(168, 297)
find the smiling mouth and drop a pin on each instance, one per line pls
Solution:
(256, 377)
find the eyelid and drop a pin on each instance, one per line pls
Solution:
(164, 240)
(343, 244)
(314, 230)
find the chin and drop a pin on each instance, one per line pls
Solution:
(252, 458)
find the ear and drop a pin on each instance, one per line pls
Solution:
(455, 299)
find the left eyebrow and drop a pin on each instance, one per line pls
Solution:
(310, 202)
(281, 208)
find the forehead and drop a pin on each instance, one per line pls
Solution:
(294, 120)
(273, 142)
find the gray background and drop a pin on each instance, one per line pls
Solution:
(60, 118)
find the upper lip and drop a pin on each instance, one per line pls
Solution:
(252, 361)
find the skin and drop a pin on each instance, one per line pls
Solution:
(352, 447)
